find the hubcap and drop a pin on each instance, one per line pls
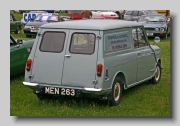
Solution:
(157, 74)
(117, 91)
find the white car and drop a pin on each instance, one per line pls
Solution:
(104, 13)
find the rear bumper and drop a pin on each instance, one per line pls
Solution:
(102, 94)
(85, 89)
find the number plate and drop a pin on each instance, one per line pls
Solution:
(149, 34)
(34, 30)
(60, 91)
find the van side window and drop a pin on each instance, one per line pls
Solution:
(117, 41)
(82, 43)
(138, 38)
(52, 42)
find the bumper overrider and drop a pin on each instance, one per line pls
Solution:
(79, 92)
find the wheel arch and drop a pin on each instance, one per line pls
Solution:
(121, 75)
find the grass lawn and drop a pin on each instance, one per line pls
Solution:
(143, 100)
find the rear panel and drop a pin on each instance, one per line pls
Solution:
(48, 57)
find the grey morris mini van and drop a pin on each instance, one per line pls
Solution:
(96, 58)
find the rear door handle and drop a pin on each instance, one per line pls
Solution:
(67, 56)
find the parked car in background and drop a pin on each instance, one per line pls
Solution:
(15, 11)
(104, 13)
(155, 25)
(19, 52)
(75, 14)
(49, 11)
(15, 26)
(65, 18)
(31, 28)
(28, 17)
(104, 17)
(133, 15)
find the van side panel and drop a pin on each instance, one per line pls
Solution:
(118, 56)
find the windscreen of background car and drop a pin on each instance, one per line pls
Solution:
(52, 42)
(152, 19)
(46, 18)
(82, 43)
(150, 12)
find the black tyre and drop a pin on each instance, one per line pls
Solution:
(116, 92)
(157, 75)
(18, 30)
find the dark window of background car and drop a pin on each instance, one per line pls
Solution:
(52, 42)
(135, 13)
(11, 18)
(129, 13)
(11, 42)
(150, 12)
(141, 13)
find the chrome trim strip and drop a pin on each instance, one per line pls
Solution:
(30, 84)
(92, 89)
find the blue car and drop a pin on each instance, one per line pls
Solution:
(49, 11)
(155, 25)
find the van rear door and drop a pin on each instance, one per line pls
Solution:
(49, 56)
(81, 59)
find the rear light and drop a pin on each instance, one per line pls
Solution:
(99, 69)
(28, 64)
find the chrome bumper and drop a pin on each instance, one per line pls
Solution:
(36, 85)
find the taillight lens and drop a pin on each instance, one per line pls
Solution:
(28, 64)
(99, 69)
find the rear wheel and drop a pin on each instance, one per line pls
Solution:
(156, 78)
(117, 89)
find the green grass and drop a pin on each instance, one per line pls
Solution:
(145, 99)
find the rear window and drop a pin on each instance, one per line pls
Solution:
(82, 43)
(52, 42)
